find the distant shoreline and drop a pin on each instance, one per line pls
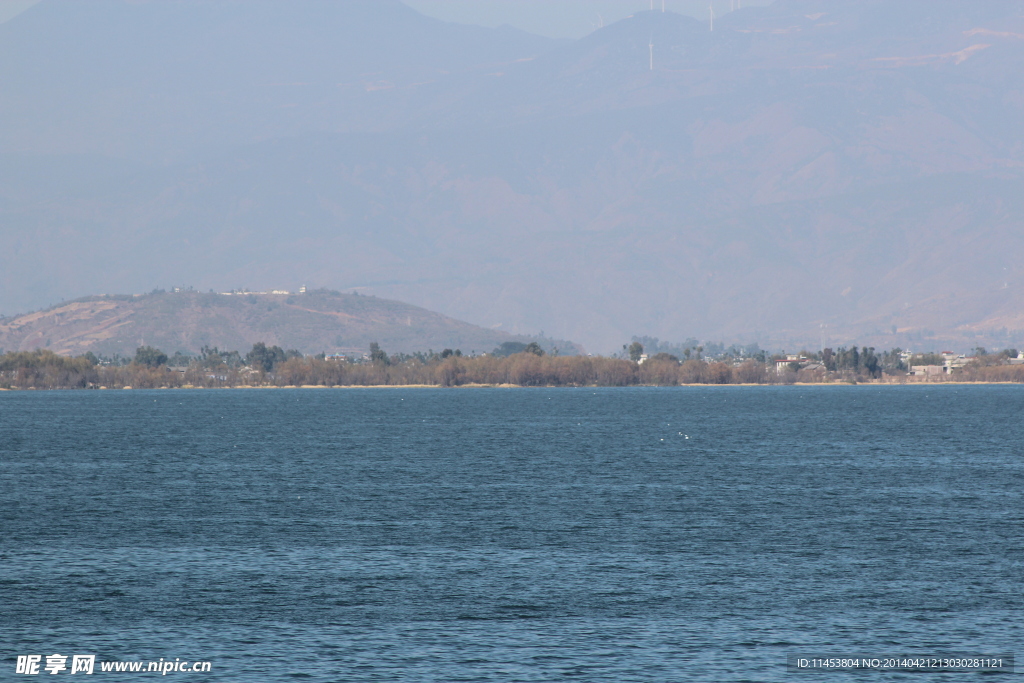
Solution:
(266, 367)
(519, 386)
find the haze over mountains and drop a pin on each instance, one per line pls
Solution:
(842, 169)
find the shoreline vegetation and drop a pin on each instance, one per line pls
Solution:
(273, 367)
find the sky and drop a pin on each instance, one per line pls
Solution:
(552, 18)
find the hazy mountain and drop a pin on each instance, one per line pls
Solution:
(313, 322)
(808, 169)
(162, 79)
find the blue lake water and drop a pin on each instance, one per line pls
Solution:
(676, 534)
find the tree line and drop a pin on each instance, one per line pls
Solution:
(528, 365)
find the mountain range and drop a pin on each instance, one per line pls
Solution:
(812, 172)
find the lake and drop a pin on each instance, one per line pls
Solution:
(647, 534)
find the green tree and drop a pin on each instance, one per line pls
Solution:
(636, 350)
(870, 362)
(534, 348)
(264, 358)
(848, 359)
(179, 360)
(893, 360)
(377, 355)
(150, 357)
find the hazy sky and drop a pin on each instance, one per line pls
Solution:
(555, 18)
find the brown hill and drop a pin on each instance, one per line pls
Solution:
(186, 321)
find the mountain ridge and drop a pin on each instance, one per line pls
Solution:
(186, 321)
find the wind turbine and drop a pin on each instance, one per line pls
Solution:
(711, 9)
(652, 52)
